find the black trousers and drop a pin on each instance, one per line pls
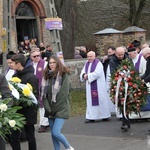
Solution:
(2, 144)
(125, 121)
(30, 136)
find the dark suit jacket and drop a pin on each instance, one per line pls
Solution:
(146, 75)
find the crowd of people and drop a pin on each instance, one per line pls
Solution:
(49, 78)
(26, 46)
(45, 72)
(97, 73)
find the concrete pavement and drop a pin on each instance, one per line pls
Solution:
(102, 135)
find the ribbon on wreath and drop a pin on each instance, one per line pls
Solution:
(125, 74)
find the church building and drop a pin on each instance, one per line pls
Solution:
(25, 19)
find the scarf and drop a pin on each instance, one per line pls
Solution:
(94, 92)
(56, 85)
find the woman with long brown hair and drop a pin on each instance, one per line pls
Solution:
(55, 93)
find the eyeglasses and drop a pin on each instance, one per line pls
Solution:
(50, 63)
(36, 56)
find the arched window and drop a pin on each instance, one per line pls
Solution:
(24, 9)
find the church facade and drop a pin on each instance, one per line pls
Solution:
(24, 19)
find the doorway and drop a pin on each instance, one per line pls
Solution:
(26, 29)
(26, 22)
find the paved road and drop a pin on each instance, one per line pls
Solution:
(102, 135)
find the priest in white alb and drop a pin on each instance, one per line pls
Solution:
(96, 92)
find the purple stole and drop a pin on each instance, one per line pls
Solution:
(137, 64)
(94, 92)
(39, 75)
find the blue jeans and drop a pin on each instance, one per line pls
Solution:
(56, 125)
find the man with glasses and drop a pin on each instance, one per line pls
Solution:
(39, 65)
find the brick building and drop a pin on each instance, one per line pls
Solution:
(112, 37)
(25, 19)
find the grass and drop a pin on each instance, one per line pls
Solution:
(78, 102)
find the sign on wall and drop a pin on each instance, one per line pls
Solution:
(53, 23)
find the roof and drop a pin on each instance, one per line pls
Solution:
(108, 31)
(133, 29)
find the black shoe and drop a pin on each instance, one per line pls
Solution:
(125, 127)
(149, 130)
(42, 129)
(89, 121)
(105, 119)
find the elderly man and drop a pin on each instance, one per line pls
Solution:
(114, 64)
(96, 93)
(138, 60)
(117, 59)
(145, 45)
(39, 65)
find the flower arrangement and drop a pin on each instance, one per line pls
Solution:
(22, 92)
(9, 118)
(127, 89)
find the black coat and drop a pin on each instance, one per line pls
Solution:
(4, 88)
(106, 63)
(27, 76)
(114, 63)
(146, 75)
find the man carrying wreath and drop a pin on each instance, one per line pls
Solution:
(26, 74)
(127, 91)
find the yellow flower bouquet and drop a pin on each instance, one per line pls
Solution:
(9, 118)
(22, 92)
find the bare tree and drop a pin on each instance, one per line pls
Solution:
(66, 10)
(135, 11)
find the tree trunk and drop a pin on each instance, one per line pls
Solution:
(135, 13)
(67, 11)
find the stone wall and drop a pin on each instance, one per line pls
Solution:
(76, 66)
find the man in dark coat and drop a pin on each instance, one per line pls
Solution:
(6, 93)
(110, 53)
(48, 52)
(26, 74)
(146, 76)
(117, 59)
(146, 54)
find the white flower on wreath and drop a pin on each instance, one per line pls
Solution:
(12, 123)
(3, 107)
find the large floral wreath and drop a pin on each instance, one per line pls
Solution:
(127, 91)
